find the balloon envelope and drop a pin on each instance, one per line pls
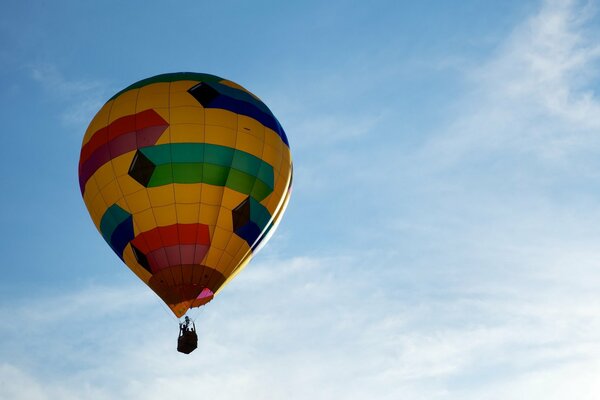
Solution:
(185, 175)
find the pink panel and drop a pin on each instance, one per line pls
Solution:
(187, 253)
(122, 144)
(201, 250)
(206, 292)
(173, 255)
(158, 259)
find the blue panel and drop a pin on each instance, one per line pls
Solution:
(122, 235)
(249, 232)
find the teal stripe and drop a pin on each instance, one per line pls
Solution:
(112, 218)
(259, 214)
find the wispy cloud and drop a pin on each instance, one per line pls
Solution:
(81, 98)
(535, 96)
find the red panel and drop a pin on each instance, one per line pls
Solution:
(99, 139)
(187, 233)
(121, 126)
(203, 234)
(169, 235)
(177, 234)
(148, 118)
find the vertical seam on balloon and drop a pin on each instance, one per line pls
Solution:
(237, 127)
(200, 268)
(179, 287)
(174, 194)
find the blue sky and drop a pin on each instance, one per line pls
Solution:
(442, 240)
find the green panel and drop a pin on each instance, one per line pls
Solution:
(240, 181)
(260, 190)
(162, 175)
(187, 172)
(158, 155)
(265, 174)
(218, 155)
(246, 162)
(215, 174)
(185, 152)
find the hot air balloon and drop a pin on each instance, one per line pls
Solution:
(185, 175)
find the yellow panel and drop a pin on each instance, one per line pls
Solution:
(187, 193)
(149, 101)
(155, 88)
(161, 195)
(187, 213)
(104, 175)
(121, 163)
(165, 138)
(138, 201)
(234, 246)
(232, 198)
(99, 122)
(187, 115)
(128, 185)
(91, 190)
(208, 214)
(212, 194)
(220, 135)
(183, 98)
(133, 265)
(273, 157)
(273, 140)
(95, 218)
(224, 263)
(286, 161)
(187, 133)
(126, 97)
(224, 220)
(249, 144)
(182, 86)
(99, 205)
(251, 126)
(220, 117)
(165, 216)
(111, 193)
(212, 258)
(122, 108)
(220, 238)
(144, 221)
